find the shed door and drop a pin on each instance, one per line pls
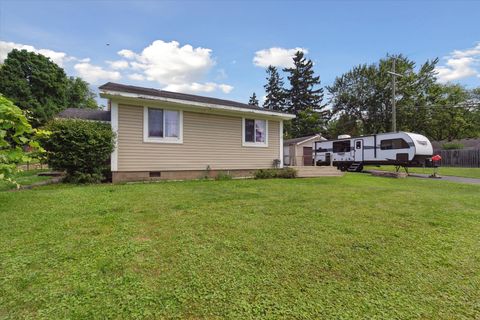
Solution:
(358, 150)
(307, 156)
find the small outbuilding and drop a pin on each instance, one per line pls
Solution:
(300, 151)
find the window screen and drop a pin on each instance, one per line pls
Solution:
(249, 130)
(155, 122)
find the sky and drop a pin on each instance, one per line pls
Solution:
(221, 48)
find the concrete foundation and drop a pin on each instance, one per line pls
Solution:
(125, 176)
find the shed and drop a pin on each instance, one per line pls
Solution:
(299, 151)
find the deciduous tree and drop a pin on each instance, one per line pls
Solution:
(35, 83)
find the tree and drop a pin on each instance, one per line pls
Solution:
(304, 99)
(16, 135)
(35, 83)
(253, 101)
(275, 93)
(439, 111)
(79, 94)
(454, 114)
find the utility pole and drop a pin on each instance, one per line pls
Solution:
(394, 107)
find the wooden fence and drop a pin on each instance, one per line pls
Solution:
(460, 158)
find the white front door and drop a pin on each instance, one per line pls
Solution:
(358, 147)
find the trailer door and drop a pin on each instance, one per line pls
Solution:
(359, 150)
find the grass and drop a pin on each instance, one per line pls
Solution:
(445, 171)
(326, 248)
(24, 178)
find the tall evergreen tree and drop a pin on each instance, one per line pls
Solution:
(275, 93)
(253, 101)
(304, 98)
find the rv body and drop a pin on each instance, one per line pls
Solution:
(394, 148)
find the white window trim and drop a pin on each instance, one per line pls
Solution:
(147, 138)
(114, 125)
(254, 144)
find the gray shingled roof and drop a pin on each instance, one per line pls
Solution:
(111, 86)
(300, 139)
(85, 114)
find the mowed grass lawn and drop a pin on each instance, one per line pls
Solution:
(24, 178)
(446, 171)
(326, 248)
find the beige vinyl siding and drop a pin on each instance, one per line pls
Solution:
(208, 139)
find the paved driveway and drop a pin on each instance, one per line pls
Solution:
(448, 178)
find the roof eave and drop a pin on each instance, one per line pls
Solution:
(110, 94)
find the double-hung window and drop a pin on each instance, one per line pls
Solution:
(255, 133)
(162, 125)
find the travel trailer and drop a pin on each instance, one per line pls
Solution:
(395, 148)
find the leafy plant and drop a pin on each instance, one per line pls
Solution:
(18, 141)
(80, 148)
(285, 173)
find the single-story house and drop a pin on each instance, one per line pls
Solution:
(169, 135)
(467, 144)
(300, 151)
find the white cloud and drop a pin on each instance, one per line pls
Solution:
(93, 74)
(58, 57)
(129, 54)
(136, 77)
(196, 87)
(225, 88)
(118, 65)
(175, 67)
(460, 64)
(278, 57)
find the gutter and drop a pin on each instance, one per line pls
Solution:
(117, 94)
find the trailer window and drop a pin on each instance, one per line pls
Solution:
(320, 149)
(392, 144)
(341, 146)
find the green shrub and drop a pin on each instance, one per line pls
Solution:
(80, 148)
(285, 173)
(223, 176)
(452, 146)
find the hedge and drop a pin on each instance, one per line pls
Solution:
(80, 148)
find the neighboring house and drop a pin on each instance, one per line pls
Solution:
(468, 144)
(299, 151)
(168, 135)
(85, 114)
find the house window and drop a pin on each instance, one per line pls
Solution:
(391, 144)
(162, 125)
(255, 132)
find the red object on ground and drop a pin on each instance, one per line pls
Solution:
(436, 157)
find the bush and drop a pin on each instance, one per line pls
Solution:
(80, 148)
(452, 146)
(285, 173)
(223, 176)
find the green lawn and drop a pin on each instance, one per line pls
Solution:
(446, 171)
(328, 248)
(24, 178)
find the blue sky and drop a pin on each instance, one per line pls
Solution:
(208, 48)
